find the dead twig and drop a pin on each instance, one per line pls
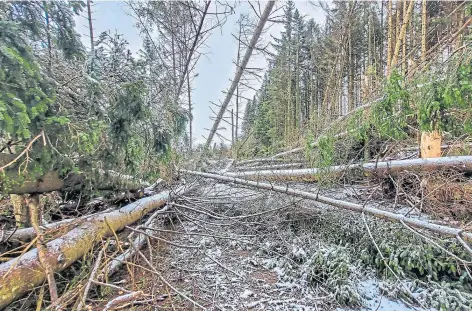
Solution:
(122, 299)
(92, 277)
(26, 150)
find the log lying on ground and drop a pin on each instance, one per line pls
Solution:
(359, 208)
(26, 234)
(271, 167)
(15, 183)
(20, 275)
(446, 146)
(51, 181)
(463, 163)
(259, 160)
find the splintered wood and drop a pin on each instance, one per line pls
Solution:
(430, 144)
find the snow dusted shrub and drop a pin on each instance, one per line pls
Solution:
(334, 268)
(442, 296)
(410, 255)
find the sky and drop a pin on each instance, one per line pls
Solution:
(215, 71)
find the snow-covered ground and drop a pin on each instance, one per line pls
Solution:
(242, 252)
(374, 300)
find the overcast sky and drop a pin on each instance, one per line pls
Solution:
(214, 71)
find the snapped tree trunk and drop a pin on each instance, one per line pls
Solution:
(20, 210)
(430, 144)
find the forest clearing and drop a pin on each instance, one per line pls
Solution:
(332, 172)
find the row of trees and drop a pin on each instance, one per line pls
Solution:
(320, 72)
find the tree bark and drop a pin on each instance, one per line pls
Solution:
(424, 16)
(190, 118)
(20, 210)
(272, 167)
(430, 144)
(389, 35)
(89, 14)
(20, 275)
(402, 34)
(35, 214)
(238, 59)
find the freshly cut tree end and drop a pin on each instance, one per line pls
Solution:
(430, 144)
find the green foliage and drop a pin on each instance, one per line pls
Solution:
(389, 117)
(48, 22)
(406, 253)
(445, 296)
(441, 295)
(409, 256)
(436, 278)
(24, 95)
(326, 150)
(445, 105)
(337, 270)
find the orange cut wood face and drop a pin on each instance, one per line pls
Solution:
(430, 144)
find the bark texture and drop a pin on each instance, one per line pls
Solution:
(430, 144)
(20, 275)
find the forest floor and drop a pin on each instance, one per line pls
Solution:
(238, 249)
(222, 246)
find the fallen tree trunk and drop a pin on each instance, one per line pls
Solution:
(20, 275)
(359, 208)
(51, 181)
(463, 163)
(259, 160)
(15, 183)
(27, 234)
(272, 167)
(446, 146)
